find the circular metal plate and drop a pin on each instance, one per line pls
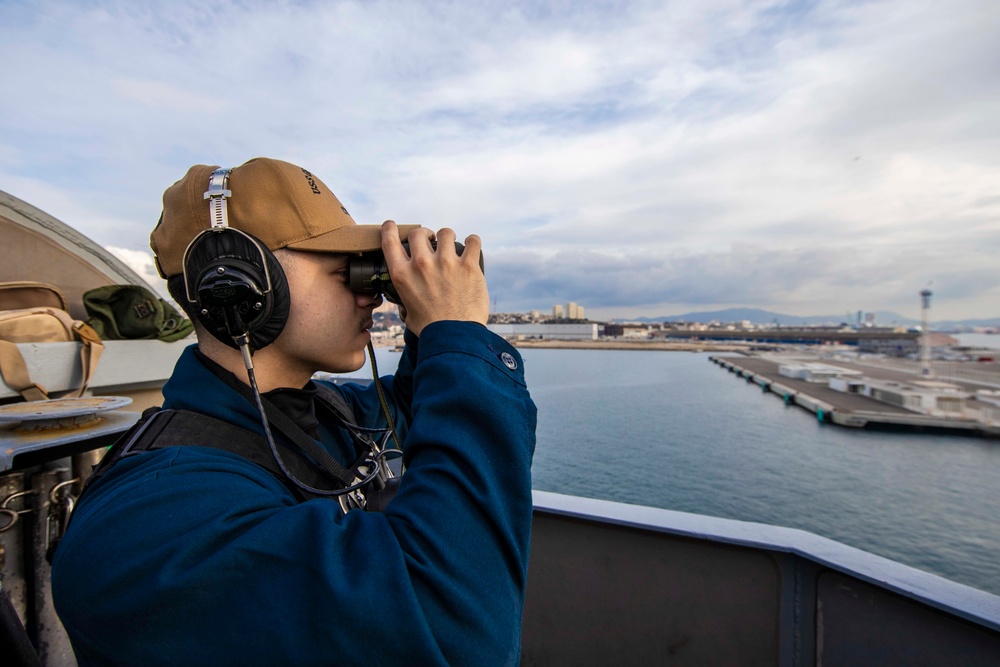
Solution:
(61, 408)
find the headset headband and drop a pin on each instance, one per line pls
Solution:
(218, 215)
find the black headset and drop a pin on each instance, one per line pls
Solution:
(237, 283)
(242, 298)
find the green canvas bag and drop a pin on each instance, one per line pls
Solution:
(119, 312)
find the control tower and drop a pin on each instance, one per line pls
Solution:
(925, 338)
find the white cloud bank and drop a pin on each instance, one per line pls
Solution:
(141, 262)
(633, 157)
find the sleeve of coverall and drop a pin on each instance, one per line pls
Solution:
(463, 513)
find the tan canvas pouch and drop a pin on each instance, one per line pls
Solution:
(30, 294)
(43, 325)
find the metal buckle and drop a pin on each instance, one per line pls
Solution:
(217, 194)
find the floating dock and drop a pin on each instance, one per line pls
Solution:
(843, 409)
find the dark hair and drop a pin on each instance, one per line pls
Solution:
(175, 285)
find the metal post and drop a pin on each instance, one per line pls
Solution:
(83, 465)
(15, 646)
(51, 640)
(12, 542)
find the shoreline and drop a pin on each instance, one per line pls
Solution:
(668, 346)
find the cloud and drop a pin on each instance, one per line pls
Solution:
(815, 279)
(629, 154)
(141, 262)
(164, 96)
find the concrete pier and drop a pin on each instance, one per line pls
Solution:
(843, 409)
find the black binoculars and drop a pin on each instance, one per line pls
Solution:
(369, 274)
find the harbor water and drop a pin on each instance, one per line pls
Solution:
(979, 340)
(671, 430)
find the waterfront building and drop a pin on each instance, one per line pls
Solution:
(815, 372)
(640, 331)
(987, 405)
(892, 346)
(927, 397)
(548, 331)
(557, 312)
(891, 342)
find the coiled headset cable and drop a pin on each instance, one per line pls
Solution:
(370, 468)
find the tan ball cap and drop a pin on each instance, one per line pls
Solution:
(282, 205)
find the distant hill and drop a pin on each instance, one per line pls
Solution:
(965, 324)
(760, 316)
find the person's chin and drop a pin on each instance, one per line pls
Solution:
(358, 362)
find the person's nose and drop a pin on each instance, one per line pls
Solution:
(368, 300)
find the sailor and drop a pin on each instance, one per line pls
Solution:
(213, 535)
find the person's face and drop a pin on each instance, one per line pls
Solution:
(327, 328)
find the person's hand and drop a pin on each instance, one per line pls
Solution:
(436, 284)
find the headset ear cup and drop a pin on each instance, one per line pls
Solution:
(236, 254)
(269, 327)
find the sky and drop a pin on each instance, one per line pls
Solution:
(638, 158)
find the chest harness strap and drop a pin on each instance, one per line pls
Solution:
(306, 459)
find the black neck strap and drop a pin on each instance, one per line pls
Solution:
(292, 431)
